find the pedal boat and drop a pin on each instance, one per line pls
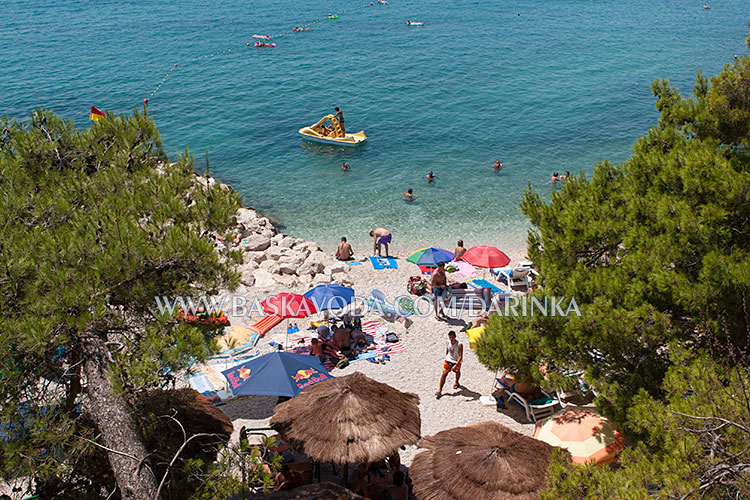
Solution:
(314, 133)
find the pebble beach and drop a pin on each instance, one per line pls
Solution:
(274, 262)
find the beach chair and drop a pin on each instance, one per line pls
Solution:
(537, 408)
(377, 302)
(518, 278)
(264, 324)
(477, 283)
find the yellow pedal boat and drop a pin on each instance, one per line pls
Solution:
(316, 133)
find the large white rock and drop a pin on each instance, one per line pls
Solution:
(264, 279)
(268, 265)
(246, 216)
(275, 253)
(256, 242)
(314, 264)
(287, 280)
(277, 237)
(256, 257)
(321, 279)
(286, 241)
(336, 267)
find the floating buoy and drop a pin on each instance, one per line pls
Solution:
(145, 101)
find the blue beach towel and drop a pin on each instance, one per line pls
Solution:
(383, 263)
(352, 262)
(476, 283)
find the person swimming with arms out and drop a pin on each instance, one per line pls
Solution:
(430, 177)
(409, 195)
(497, 165)
(555, 178)
(345, 167)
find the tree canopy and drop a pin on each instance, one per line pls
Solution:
(95, 223)
(655, 252)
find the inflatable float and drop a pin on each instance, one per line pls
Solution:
(318, 133)
(414, 23)
(260, 44)
(301, 29)
(333, 16)
(262, 37)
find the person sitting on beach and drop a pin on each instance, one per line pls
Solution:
(287, 479)
(344, 250)
(380, 236)
(555, 177)
(352, 324)
(409, 195)
(460, 250)
(341, 338)
(430, 177)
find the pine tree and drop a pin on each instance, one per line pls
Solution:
(96, 223)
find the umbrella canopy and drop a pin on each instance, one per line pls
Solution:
(321, 491)
(430, 256)
(486, 257)
(588, 436)
(349, 419)
(276, 374)
(487, 461)
(288, 305)
(330, 296)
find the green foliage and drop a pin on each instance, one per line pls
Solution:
(655, 252)
(96, 223)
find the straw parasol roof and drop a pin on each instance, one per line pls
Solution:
(321, 491)
(349, 419)
(487, 461)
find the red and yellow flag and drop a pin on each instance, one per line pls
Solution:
(96, 114)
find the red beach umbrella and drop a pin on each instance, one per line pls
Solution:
(288, 305)
(486, 257)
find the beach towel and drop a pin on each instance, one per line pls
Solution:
(383, 263)
(264, 324)
(352, 262)
(427, 269)
(477, 283)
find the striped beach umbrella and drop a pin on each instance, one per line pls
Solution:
(588, 437)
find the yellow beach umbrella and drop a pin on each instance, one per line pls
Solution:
(474, 334)
(589, 437)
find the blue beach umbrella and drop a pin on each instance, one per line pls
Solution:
(431, 256)
(276, 374)
(330, 296)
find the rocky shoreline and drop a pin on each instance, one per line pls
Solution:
(272, 260)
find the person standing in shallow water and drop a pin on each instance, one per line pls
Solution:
(454, 356)
(409, 195)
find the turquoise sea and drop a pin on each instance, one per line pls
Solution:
(541, 85)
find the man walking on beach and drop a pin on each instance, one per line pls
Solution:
(437, 284)
(454, 356)
(344, 250)
(380, 236)
(340, 118)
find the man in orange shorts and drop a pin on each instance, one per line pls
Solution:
(454, 355)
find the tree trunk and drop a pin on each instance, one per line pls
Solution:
(118, 430)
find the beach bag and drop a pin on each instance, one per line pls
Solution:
(391, 337)
(416, 286)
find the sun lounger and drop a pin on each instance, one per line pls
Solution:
(477, 283)
(380, 304)
(264, 324)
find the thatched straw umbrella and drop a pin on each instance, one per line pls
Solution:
(349, 419)
(486, 461)
(321, 491)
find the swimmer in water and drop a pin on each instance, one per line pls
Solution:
(555, 178)
(430, 177)
(497, 165)
(345, 167)
(409, 195)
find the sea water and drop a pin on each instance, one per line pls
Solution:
(541, 85)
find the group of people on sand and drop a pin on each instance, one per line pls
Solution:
(340, 341)
(380, 236)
